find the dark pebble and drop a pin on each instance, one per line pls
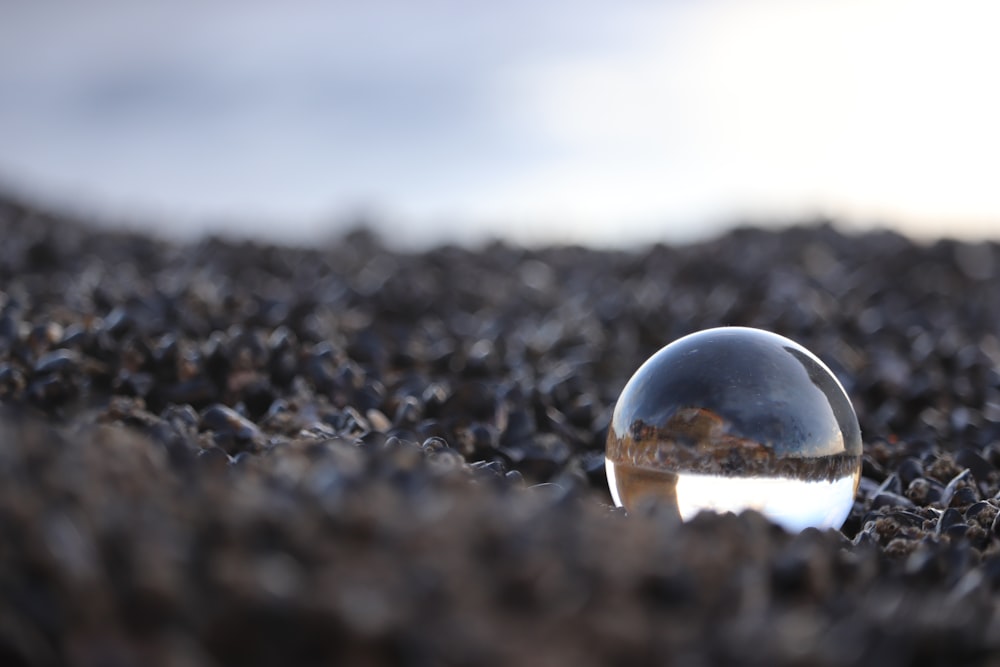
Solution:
(981, 468)
(495, 467)
(434, 444)
(134, 384)
(923, 491)
(57, 362)
(240, 459)
(992, 454)
(891, 484)
(593, 466)
(514, 477)
(888, 499)
(404, 435)
(472, 400)
(12, 381)
(408, 412)
(118, 322)
(214, 458)
(540, 457)
(960, 482)
(183, 417)
(198, 391)
(872, 470)
(373, 438)
(549, 492)
(957, 531)
(51, 391)
(977, 509)
(909, 469)
(949, 518)
(349, 422)
(867, 488)
(231, 431)
(964, 497)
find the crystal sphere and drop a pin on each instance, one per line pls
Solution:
(731, 419)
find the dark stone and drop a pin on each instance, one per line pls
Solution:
(961, 481)
(51, 391)
(231, 431)
(981, 468)
(872, 470)
(888, 499)
(198, 392)
(909, 469)
(12, 381)
(60, 361)
(964, 497)
(924, 491)
(118, 322)
(949, 518)
(891, 484)
(214, 458)
(134, 384)
(408, 412)
(434, 444)
(538, 458)
(976, 509)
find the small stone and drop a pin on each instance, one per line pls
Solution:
(889, 499)
(964, 497)
(378, 421)
(980, 467)
(232, 431)
(978, 509)
(408, 412)
(891, 485)
(214, 458)
(60, 361)
(909, 469)
(923, 491)
(962, 481)
(949, 518)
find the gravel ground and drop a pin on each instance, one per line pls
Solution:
(230, 453)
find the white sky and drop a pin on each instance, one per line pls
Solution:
(585, 121)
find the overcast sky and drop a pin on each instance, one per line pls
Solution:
(568, 121)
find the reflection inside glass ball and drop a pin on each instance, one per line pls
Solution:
(731, 419)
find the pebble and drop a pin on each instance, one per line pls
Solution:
(960, 490)
(923, 491)
(59, 361)
(949, 518)
(909, 469)
(231, 431)
(889, 499)
(377, 420)
(980, 468)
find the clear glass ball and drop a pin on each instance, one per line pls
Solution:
(731, 419)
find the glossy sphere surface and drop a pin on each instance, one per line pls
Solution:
(731, 419)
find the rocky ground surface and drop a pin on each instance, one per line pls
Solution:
(228, 453)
